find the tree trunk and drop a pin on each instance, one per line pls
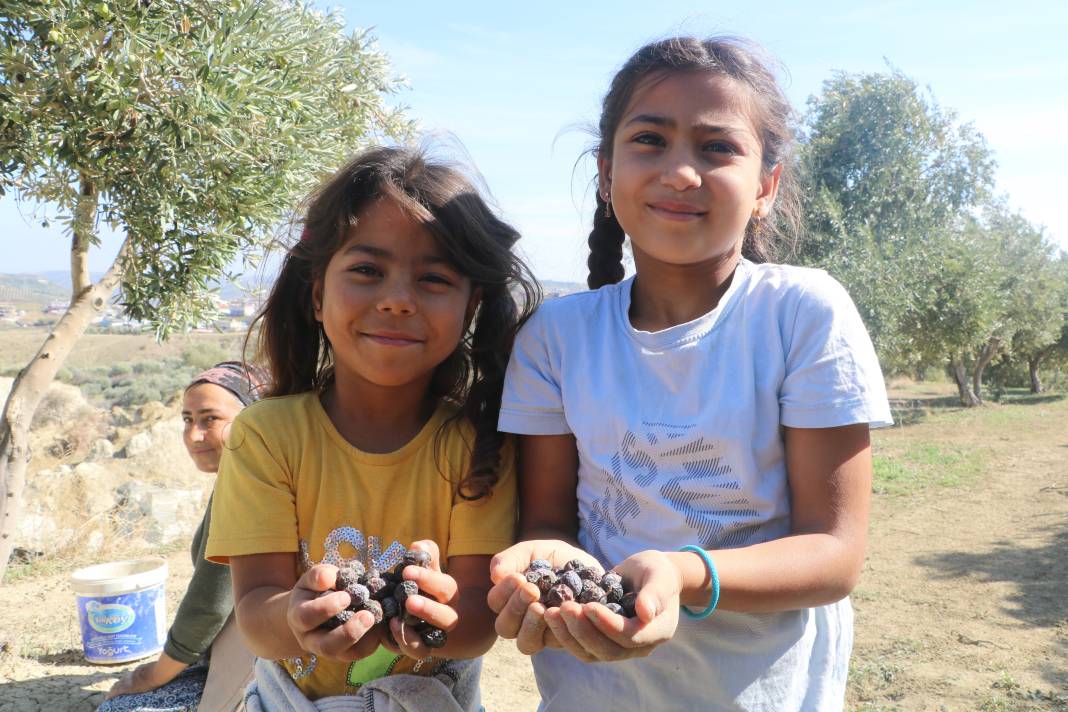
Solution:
(968, 398)
(29, 388)
(986, 355)
(84, 215)
(1032, 367)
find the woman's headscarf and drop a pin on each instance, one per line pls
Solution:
(246, 381)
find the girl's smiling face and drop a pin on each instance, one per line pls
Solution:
(685, 175)
(391, 304)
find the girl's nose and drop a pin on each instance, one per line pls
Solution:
(397, 299)
(680, 174)
(196, 433)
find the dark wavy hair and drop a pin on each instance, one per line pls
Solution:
(440, 197)
(772, 115)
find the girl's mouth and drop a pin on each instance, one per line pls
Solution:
(392, 338)
(682, 212)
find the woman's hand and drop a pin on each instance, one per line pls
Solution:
(437, 607)
(147, 676)
(593, 633)
(515, 600)
(309, 607)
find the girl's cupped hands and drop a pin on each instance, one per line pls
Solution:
(312, 601)
(588, 631)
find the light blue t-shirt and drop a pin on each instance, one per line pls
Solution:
(679, 441)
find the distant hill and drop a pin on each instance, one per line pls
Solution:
(32, 288)
(554, 287)
(54, 285)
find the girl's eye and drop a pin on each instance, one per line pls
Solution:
(365, 269)
(720, 147)
(437, 279)
(187, 420)
(649, 139)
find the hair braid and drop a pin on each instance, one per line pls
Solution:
(606, 248)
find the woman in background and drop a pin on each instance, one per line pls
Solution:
(184, 677)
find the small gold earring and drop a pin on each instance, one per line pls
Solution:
(608, 205)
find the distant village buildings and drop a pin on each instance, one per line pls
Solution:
(231, 316)
(9, 313)
(31, 301)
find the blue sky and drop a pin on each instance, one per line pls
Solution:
(513, 83)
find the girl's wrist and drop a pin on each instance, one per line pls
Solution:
(696, 587)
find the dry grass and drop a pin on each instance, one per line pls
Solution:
(17, 347)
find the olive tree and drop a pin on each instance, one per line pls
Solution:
(892, 179)
(191, 126)
(1041, 335)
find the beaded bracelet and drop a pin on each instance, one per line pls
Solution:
(715, 583)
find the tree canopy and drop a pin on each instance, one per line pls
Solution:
(900, 207)
(189, 125)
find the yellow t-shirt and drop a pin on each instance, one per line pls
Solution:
(289, 482)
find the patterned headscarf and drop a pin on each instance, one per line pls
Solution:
(246, 381)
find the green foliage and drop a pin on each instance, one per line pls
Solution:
(895, 164)
(899, 209)
(191, 125)
(204, 356)
(133, 383)
(890, 173)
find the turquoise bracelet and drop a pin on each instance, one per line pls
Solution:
(715, 583)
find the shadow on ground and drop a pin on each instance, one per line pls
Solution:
(1040, 576)
(70, 656)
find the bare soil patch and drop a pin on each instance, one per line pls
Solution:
(962, 604)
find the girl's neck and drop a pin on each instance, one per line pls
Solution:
(377, 419)
(666, 295)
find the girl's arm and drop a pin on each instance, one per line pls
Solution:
(279, 616)
(548, 481)
(829, 471)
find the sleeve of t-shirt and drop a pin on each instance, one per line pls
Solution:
(487, 525)
(532, 403)
(254, 507)
(832, 374)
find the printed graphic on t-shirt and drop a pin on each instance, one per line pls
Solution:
(678, 466)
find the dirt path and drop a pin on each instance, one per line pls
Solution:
(963, 604)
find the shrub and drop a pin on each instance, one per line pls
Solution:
(205, 356)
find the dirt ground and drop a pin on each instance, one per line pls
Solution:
(962, 604)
